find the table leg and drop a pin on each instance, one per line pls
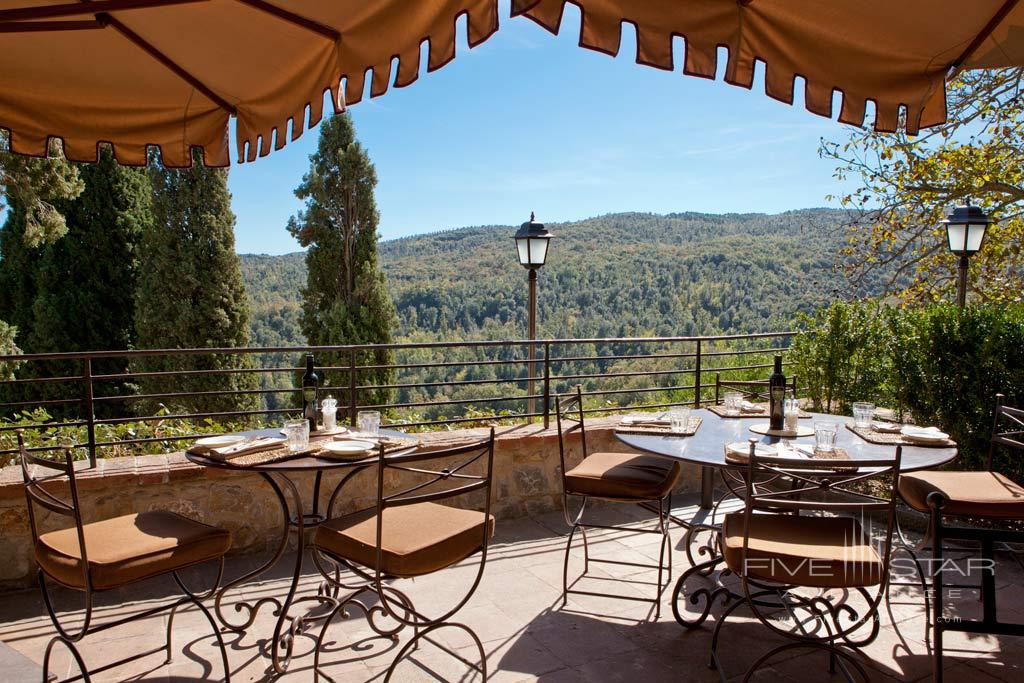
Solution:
(707, 487)
(251, 608)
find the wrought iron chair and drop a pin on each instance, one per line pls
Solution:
(617, 477)
(112, 553)
(752, 389)
(409, 533)
(947, 495)
(775, 554)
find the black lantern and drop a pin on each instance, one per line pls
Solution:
(532, 243)
(965, 234)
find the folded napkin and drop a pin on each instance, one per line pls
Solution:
(887, 427)
(748, 407)
(259, 445)
(638, 420)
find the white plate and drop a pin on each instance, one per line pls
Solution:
(929, 434)
(351, 447)
(220, 441)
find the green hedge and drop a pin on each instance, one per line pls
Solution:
(941, 364)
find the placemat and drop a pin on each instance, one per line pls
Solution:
(720, 411)
(661, 430)
(281, 453)
(835, 454)
(894, 438)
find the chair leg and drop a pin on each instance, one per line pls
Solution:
(67, 643)
(412, 644)
(194, 599)
(937, 603)
(565, 565)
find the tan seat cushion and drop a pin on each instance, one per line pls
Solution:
(821, 552)
(970, 494)
(129, 548)
(416, 539)
(623, 476)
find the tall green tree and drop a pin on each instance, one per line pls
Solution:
(905, 186)
(76, 293)
(190, 292)
(345, 298)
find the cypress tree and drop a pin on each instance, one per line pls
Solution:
(190, 292)
(345, 300)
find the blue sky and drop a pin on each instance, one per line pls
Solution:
(529, 121)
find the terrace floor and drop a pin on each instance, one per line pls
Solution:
(527, 634)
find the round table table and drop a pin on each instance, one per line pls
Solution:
(294, 516)
(707, 449)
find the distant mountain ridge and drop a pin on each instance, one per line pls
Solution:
(620, 274)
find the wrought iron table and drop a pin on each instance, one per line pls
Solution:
(707, 449)
(279, 475)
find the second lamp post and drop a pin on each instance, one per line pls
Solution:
(532, 247)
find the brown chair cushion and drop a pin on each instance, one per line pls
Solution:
(821, 552)
(416, 539)
(623, 476)
(129, 548)
(969, 494)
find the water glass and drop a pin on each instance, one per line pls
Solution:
(733, 399)
(863, 412)
(825, 436)
(679, 419)
(368, 421)
(297, 434)
(329, 412)
(791, 408)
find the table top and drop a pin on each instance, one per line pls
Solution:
(707, 446)
(303, 464)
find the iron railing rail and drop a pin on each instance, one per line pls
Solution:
(558, 362)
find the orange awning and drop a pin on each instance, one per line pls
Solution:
(171, 73)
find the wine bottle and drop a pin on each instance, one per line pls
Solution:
(777, 397)
(310, 389)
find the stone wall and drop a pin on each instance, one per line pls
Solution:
(526, 481)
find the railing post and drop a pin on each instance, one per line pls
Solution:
(352, 388)
(547, 384)
(90, 416)
(696, 379)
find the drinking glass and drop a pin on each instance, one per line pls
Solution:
(329, 411)
(732, 402)
(791, 408)
(825, 436)
(368, 421)
(679, 419)
(297, 433)
(862, 413)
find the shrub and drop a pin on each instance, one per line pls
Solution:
(941, 364)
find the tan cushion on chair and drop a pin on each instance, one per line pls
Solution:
(416, 539)
(623, 476)
(970, 494)
(820, 552)
(129, 548)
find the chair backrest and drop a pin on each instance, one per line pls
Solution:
(752, 389)
(569, 419)
(1007, 429)
(446, 474)
(36, 494)
(821, 476)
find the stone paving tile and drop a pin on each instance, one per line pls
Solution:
(518, 615)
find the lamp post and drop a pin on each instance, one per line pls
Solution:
(532, 248)
(965, 232)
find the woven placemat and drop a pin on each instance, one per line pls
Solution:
(315, 450)
(720, 411)
(661, 430)
(894, 438)
(834, 454)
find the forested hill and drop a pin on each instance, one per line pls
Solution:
(616, 275)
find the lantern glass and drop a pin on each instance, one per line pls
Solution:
(956, 234)
(533, 251)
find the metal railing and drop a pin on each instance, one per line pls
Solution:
(618, 374)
